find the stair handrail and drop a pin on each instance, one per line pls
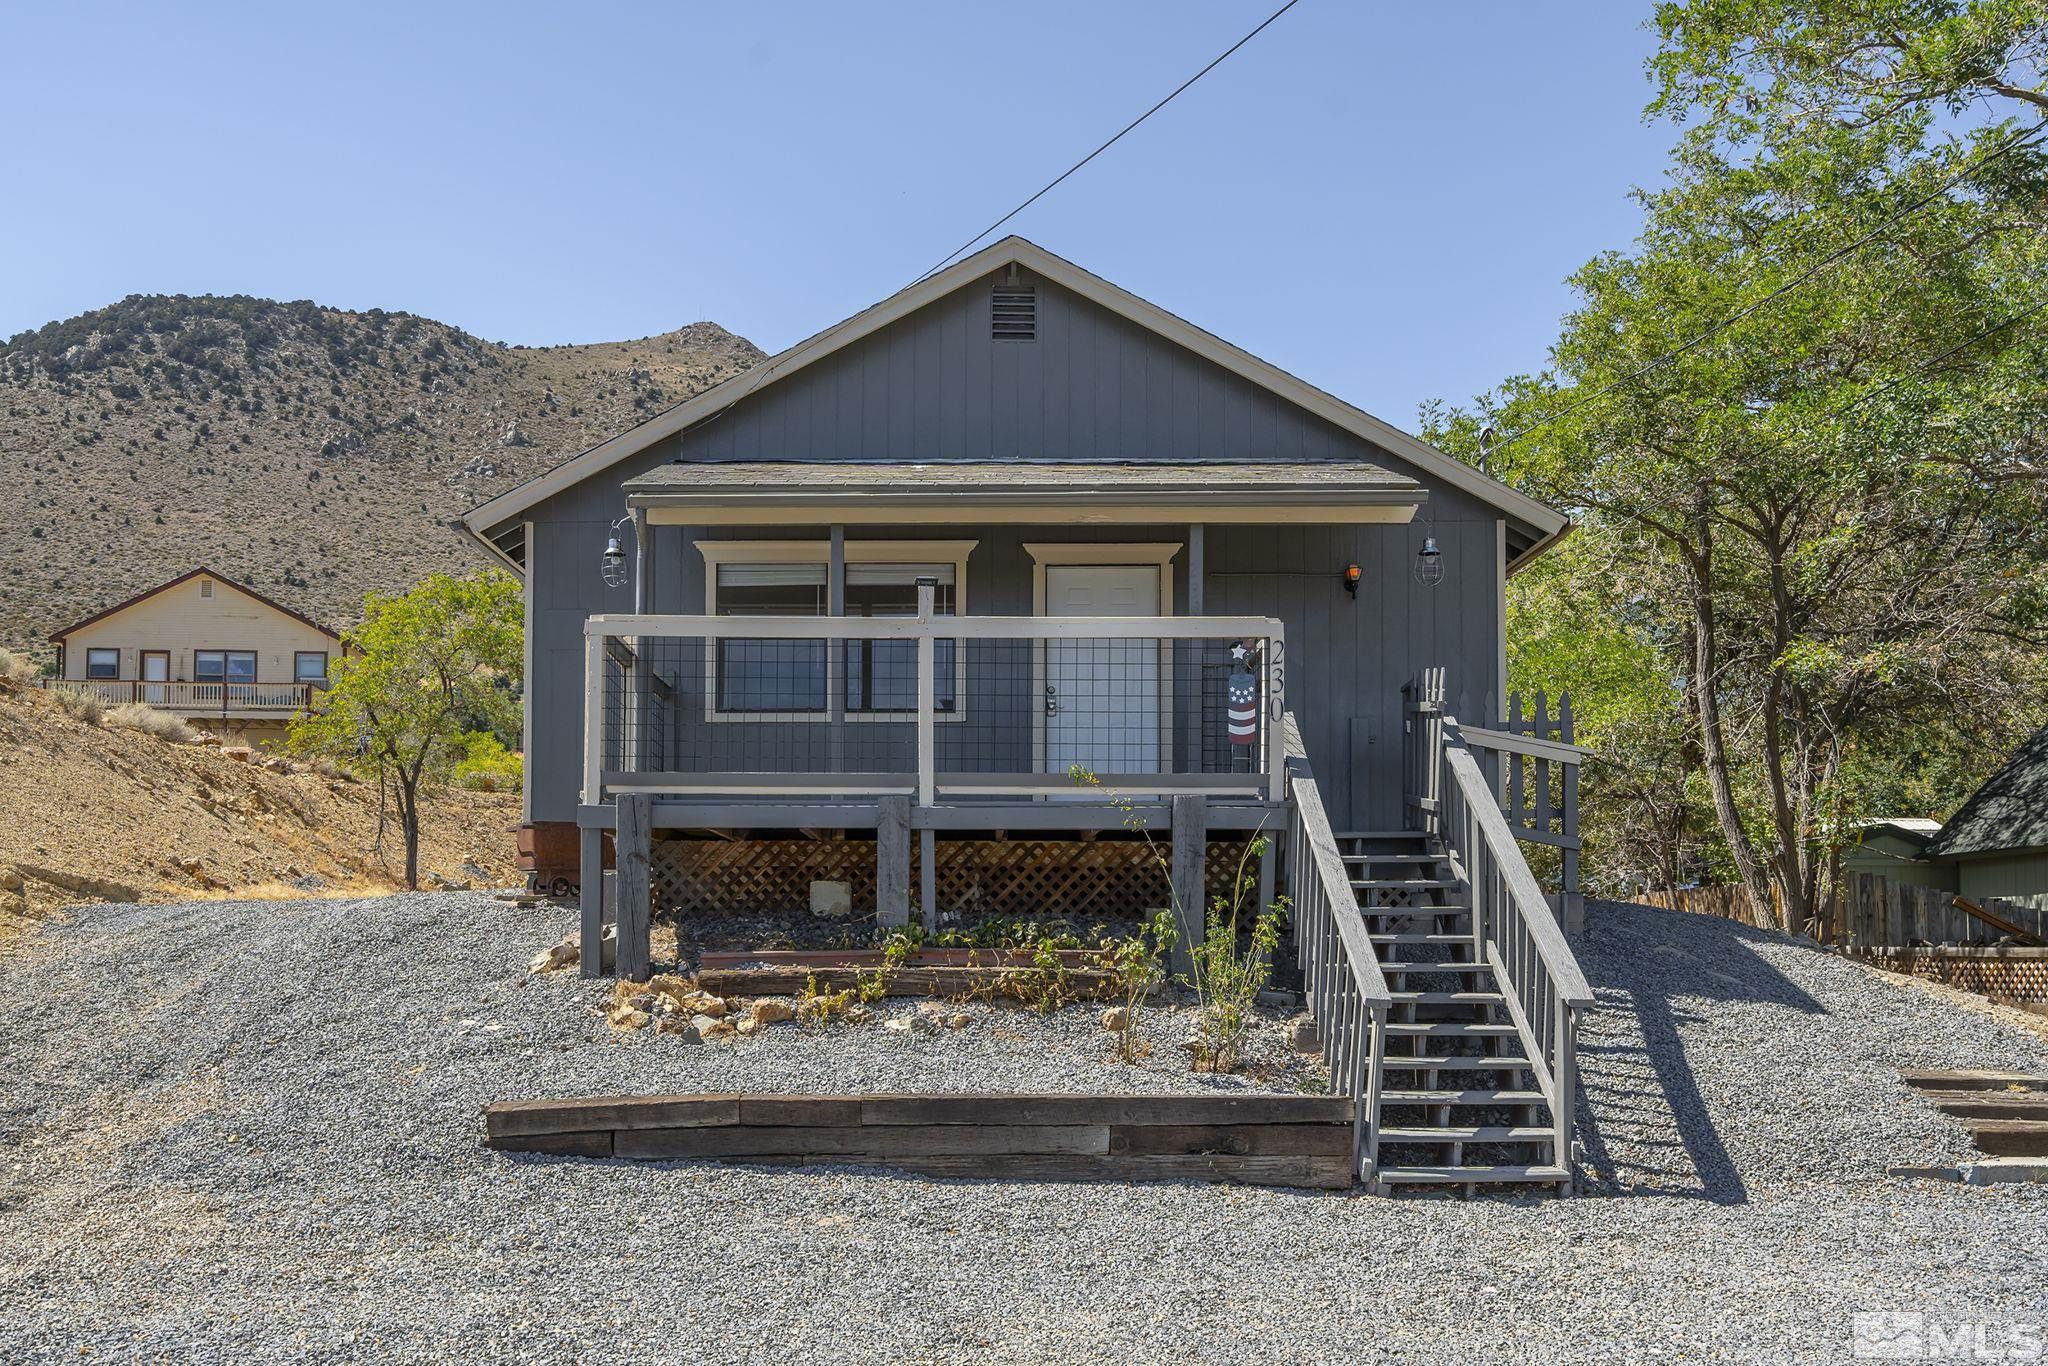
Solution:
(1346, 991)
(1513, 929)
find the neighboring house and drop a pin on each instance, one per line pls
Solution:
(881, 592)
(203, 647)
(1996, 844)
(1892, 847)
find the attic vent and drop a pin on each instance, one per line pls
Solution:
(1013, 313)
(206, 588)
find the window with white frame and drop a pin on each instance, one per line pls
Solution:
(310, 666)
(224, 666)
(102, 663)
(792, 677)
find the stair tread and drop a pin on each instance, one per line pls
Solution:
(1480, 1097)
(1453, 1029)
(1452, 1176)
(1465, 1133)
(1405, 884)
(1421, 965)
(1448, 908)
(1454, 1062)
(1445, 998)
(1416, 835)
(1403, 857)
(1417, 936)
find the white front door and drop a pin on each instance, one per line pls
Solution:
(1102, 703)
(156, 668)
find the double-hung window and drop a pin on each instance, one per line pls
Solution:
(102, 663)
(793, 678)
(310, 666)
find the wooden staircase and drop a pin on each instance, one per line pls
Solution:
(1461, 1104)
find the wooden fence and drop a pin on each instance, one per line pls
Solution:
(1868, 912)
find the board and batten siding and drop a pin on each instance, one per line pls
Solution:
(2021, 876)
(179, 620)
(935, 387)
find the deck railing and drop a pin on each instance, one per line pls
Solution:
(1513, 928)
(1347, 992)
(191, 697)
(935, 707)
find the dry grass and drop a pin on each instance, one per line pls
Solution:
(15, 669)
(147, 719)
(88, 707)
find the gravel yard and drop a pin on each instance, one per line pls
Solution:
(235, 1131)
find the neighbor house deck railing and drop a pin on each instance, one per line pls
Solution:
(192, 697)
(933, 707)
(1347, 992)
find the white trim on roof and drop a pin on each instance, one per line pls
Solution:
(1548, 522)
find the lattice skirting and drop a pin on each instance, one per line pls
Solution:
(2003, 974)
(1103, 877)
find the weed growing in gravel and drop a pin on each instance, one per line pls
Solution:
(848, 1005)
(1225, 977)
(1136, 966)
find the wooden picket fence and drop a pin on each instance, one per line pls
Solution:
(1868, 912)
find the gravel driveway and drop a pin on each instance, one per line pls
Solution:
(245, 1131)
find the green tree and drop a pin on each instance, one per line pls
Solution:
(1802, 413)
(425, 670)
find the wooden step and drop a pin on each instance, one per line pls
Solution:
(1451, 909)
(1450, 1029)
(2011, 1137)
(1407, 965)
(1461, 1098)
(1403, 884)
(1990, 1104)
(1458, 1176)
(1453, 1062)
(1975, 1081)
(1414, 937)
(1466, 1133)
(1417, 836)
(1444, 998)
(1392, 858)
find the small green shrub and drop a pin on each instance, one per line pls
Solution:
(487, 766)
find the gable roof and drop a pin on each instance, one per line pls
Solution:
(2010, 811)
(1547, 523)
(186, 577)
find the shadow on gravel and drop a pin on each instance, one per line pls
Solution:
(1647, 1127)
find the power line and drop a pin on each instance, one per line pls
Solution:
(1837, 255)
(1054, 182)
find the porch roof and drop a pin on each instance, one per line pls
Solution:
(1013, 491)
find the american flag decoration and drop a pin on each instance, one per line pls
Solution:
(1244, 708)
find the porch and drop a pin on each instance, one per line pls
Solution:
(195, 701)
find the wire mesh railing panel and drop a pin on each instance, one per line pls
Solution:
(1002, 710)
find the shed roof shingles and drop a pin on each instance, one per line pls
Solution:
(2010, 811)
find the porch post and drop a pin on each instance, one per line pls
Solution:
(632, 841)
(892, 860)
(927, 739)
(1190, 864)
(1187, 655)
(590, 895)
(835, 654)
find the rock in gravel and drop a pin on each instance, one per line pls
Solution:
(627, 1017)
(1302, 1036)
(959, 1020)
(917, 1022)
(676, 1027)
(561, 955)
(1116, 1019)
(769, 1010)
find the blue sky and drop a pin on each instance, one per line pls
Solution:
(1383, 198)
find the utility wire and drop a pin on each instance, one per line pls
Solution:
(1825, 263)
(769, 373)
(1054, 182)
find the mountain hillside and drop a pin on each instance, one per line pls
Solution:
(311, 452)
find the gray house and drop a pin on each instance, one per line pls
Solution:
(1039, 442)
(923, 612)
